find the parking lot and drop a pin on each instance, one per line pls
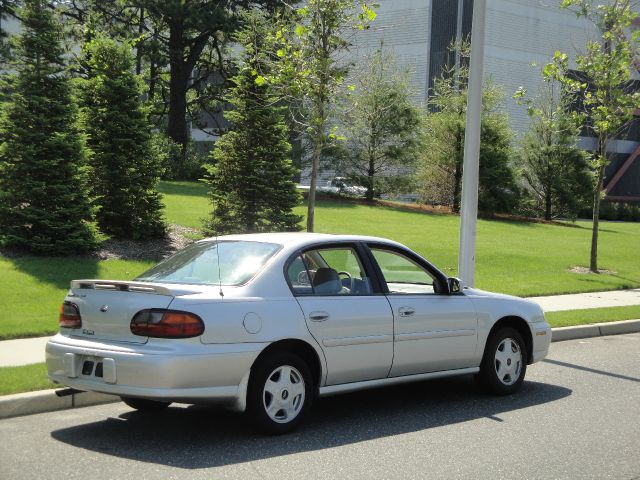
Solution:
(577, 416)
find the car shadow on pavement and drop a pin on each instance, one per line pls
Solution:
(203, 437)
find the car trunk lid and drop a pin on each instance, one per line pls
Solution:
(107, 306)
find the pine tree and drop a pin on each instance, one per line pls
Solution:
(439, 172)
(119, 136)
(45, 206)
(556, 171)
(381, 126)
(250, 174)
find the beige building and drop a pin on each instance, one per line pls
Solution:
(521, 37)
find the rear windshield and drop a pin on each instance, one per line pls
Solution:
(212, 263)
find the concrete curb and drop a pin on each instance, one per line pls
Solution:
(47, 400)
(595, 330)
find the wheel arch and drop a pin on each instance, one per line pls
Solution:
(298, 347)
(519, 324)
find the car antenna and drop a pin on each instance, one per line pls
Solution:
(219, 276)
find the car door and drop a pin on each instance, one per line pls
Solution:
(433, 331)
(352, 323)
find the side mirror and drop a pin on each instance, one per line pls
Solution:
(454, 285)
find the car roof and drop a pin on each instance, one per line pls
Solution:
(301, 239)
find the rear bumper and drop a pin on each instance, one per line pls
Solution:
(188, 373)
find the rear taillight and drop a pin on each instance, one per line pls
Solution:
(70, 316)
(166, 324)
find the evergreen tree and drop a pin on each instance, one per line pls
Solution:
(119, 136)
(250, 175)
(440, 164)
(45, 205)
(556, 171)
(381, 126)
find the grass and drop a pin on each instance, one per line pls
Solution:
(185, 203)
(26, 378)
(29, 378)
(592, 315)
(519, 258)
(32, 289)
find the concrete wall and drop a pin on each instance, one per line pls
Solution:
(525, 32)
(403, 25)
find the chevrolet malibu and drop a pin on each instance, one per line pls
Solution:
(265, 323)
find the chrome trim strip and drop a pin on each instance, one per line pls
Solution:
(343, 342)
(383, 382)
(402, 337)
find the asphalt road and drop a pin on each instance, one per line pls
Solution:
(577, 416)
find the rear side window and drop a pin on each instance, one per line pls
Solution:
(211, 263)
(328, 272)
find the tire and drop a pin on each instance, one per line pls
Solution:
(280, 393)
(144, 405)
(504, 363)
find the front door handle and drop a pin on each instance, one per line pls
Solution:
(406, 311)
(318, 316)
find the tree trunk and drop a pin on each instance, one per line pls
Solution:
(602, 152)
(139, 44)
(593, 265)
(370, 179)
(315, 165)
(547, 205)
(179, 75)
(457, 173)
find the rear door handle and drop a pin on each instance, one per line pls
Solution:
(406, 311)
(318, 316)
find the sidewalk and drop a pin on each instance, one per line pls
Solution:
(22, 351)
(579, 301)
(31, 350)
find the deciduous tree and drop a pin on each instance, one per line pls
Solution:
(603, 85)
(310, 43)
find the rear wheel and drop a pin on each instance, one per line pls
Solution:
(504, 362)
(144, 405)
(280, 393)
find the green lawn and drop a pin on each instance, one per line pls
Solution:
(185, 203)
(32, 289)
(519, 258)
(34, 377)
(512, 257)
(592, 315)
(27, 378)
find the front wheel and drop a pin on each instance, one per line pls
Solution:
(280, 393)
(504, 362)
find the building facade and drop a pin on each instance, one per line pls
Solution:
(521, 37)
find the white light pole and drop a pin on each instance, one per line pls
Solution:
(471, 166)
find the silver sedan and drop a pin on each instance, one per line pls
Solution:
(265, 323)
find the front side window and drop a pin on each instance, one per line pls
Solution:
(228, 263)
(401, 274)
(328, 271)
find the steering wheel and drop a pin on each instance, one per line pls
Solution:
(351, 282)
(303, 278)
